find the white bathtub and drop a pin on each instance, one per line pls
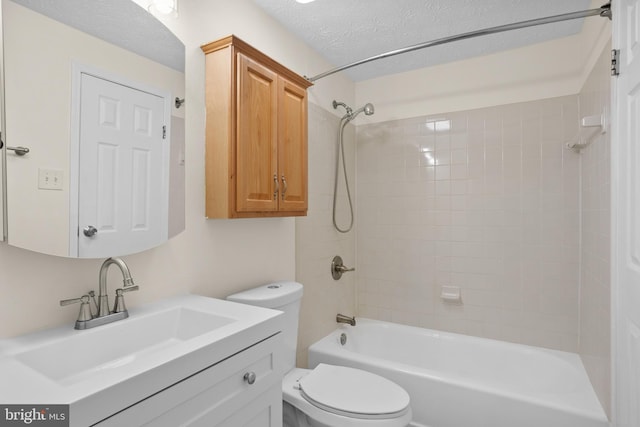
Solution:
(461, 381)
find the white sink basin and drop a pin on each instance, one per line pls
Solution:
(102, 370)
(81, 355)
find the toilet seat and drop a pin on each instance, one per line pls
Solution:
(353, 393)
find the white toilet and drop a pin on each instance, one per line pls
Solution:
(327, 396)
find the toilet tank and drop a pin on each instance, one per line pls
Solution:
(283, 296)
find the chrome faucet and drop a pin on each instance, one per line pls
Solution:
(103, 299)
(86, 319)
(341, 318)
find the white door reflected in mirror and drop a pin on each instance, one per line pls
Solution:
(123, 168)
(45, 43)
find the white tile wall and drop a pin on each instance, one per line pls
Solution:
(317, 242)
(486, 200)
(595, 312)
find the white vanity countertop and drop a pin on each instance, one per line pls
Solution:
(102, 370)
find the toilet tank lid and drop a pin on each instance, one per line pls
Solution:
(271, 295)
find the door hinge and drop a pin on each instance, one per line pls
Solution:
(615, 62)
(164, 132)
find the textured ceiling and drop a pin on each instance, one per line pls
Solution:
(120, 22)
(344, 31)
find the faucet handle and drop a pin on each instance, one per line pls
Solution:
(92, 294)
(119, 306)
(85, 310)
(338, 268)
(83, 299)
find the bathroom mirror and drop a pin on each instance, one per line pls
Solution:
(90, 89)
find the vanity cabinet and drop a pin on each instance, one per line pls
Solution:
(244, 390)
(256, 134)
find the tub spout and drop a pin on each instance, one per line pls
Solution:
(341, 318)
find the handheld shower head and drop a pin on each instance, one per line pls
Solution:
(368, 110)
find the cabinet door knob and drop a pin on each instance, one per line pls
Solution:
(250, 377)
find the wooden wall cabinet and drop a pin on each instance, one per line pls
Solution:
(256, 134)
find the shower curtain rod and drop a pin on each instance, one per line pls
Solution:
(604, 11)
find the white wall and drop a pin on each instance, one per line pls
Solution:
(595, 265)
(544, 70)
(212, 257)
(485, 200)
(202, 21)
(317, 241)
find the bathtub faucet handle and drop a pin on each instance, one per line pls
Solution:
(341, 318)
(338, 267)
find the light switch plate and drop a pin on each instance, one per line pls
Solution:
(50, 179)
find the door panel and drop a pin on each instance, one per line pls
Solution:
(256, 160)
(106, 185)
(626, 214)
(141, 209)
(122, 169)
(292, 148)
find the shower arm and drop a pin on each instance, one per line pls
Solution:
(337, 104)
(604, 11)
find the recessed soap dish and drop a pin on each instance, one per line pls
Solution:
(451, 294)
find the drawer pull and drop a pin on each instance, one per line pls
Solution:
(250, 377)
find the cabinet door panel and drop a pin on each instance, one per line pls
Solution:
(292, 146)
(256, 158)
(264, 411)
(214, 395)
